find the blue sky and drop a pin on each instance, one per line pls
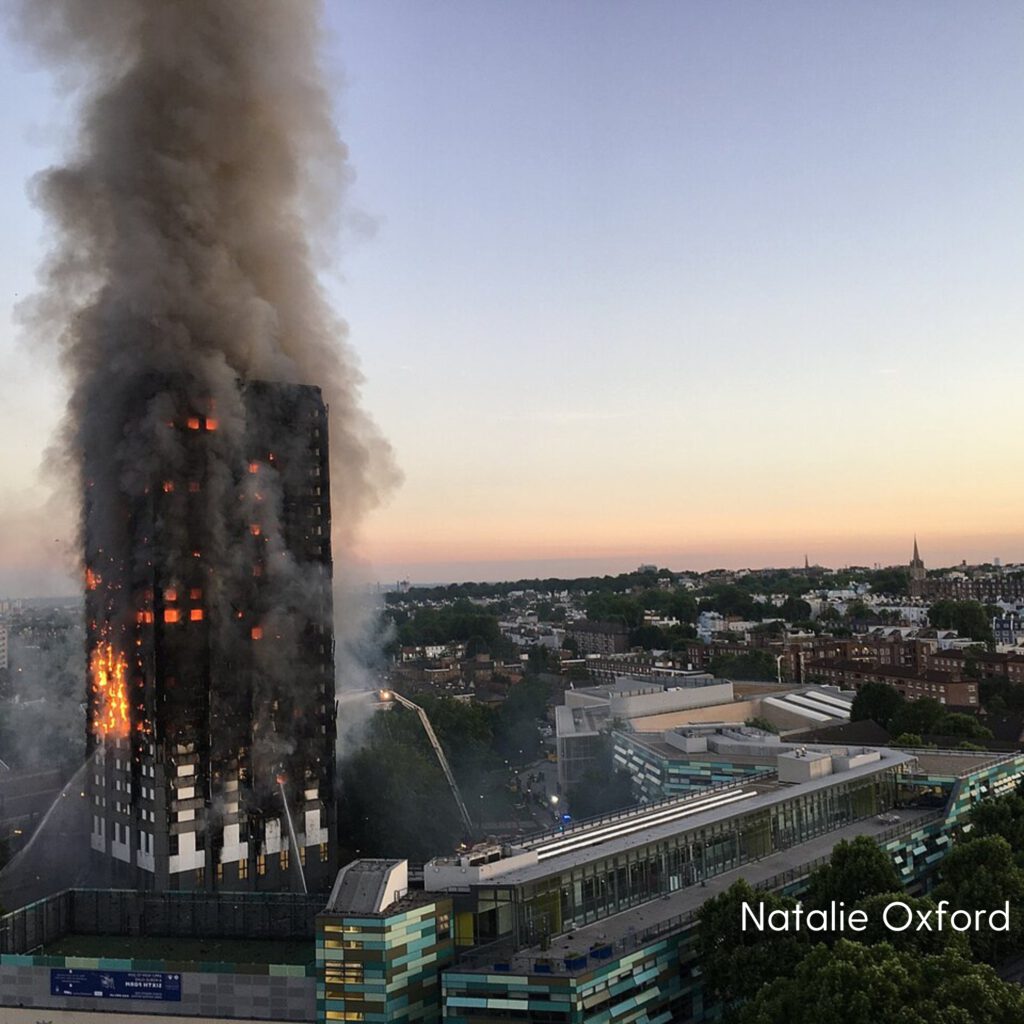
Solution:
(681, 282)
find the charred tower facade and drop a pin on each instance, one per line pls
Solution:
(211, 714)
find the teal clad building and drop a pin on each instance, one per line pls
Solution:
(660, 770)
(380, 948)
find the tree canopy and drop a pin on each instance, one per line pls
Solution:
(878, 702)
(859, 868)
(754, 665)
(461, 621)
(854, 983)
(981, 874)
(883, 704)
(968, 618)
(394, 799)
(735, 963)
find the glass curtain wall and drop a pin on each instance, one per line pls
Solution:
(607, 885)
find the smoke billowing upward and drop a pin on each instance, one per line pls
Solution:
(205, 180)
(205, 171)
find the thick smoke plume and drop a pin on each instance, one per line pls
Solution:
(206, 170)
(202, 190)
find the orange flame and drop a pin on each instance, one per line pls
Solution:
(91, 580)
(109, 670)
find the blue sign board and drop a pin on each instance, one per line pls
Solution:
(116, 984)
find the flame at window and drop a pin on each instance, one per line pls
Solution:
(108, 670)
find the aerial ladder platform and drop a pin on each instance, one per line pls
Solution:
(438, 750)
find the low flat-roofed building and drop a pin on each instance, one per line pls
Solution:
(602, 924)
(578, 874)
(590, 710)
(648, 707)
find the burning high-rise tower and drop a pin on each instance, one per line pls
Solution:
(211, 717)
(204, 179)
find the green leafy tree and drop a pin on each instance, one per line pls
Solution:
(921, 716)
(650, 638)
(892, 582)
(857, 611)
(683, 606)
(1001, 695)
(981, 874)
(859, 868)
(461, 621)
(754, 665)
(878, 702)
(795, 609)
(908, 739)
(394, 802)
(1003, 816)
(734, 962)
(466, 730)
(853, 983)
(516, 728)
(968, 618)
(606, 607)
(909, 941)
(729, 599)
(678, 636)
(958, 724)
(761, 723)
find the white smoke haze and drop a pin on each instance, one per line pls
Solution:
(42, 725)
(361, 633)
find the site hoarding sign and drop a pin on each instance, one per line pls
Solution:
(150, 985)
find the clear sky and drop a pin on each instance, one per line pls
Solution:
(693, 283)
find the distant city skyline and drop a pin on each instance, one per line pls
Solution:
(57, 583)
(697, 285)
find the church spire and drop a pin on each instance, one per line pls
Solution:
(918, 573)
(916, 562)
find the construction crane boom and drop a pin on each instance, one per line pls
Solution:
(442, 760)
